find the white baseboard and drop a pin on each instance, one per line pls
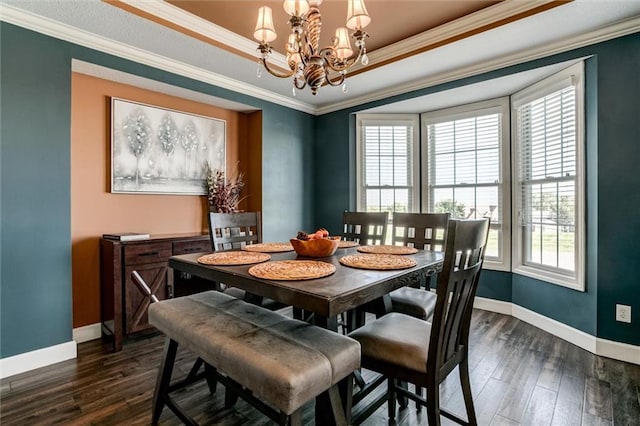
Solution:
(88, 332)
(619, 351)
(493, 305)
(602, 347)
(35, 359)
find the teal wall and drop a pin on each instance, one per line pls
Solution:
(35, 239)
(35, 235)
(613, 197)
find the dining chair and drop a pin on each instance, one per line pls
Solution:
(366, 228)
(232, 231)
(405, 349)
(424, 231)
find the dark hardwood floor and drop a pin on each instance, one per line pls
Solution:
(519, 375)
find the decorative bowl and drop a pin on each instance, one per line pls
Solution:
(321, 247)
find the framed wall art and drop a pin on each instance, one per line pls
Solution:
(162, 151)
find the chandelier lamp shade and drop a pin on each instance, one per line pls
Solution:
(309, 64)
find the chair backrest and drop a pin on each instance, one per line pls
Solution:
(457, 284)
(425, 231)
(234, 230)
(365, 227)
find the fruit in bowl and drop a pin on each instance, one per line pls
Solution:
(317, 244)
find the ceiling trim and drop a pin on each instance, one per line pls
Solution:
(485, 19)
(177, 19)
(65, 32)
(34, 22)
(619, 29)
(482, 20)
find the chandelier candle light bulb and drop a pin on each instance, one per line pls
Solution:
(308, 63)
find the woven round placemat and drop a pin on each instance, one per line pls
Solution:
(347, 244)
(377, 261)
(233, 258)
(268, 247)
(290, 270)
(388, 249)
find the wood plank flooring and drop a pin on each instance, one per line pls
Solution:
(520, 375)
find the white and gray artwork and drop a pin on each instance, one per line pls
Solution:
(157, 150)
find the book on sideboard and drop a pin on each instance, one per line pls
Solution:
(127, 236)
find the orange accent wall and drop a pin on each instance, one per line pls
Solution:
(95, 211)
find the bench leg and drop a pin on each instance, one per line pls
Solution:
(295, 419)
(333, 407)
(230, 397)
(161, 390)
(211, 374)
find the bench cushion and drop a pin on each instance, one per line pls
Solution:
(285, 362)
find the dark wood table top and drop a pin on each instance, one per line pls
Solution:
(328, 297)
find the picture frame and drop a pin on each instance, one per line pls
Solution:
(156, 150)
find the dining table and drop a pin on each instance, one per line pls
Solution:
(323, 299)
(326, 298)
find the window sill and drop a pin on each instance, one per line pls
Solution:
(574, 283)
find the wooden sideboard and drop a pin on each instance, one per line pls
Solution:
(123, 305)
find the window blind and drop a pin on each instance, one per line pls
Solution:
(546, 131)
(388, 157)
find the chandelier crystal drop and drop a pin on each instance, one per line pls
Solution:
(308, 63)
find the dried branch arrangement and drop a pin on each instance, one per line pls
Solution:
(223, 194)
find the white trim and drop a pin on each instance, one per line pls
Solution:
(619, 29)
(493, 305)
(597, 346)
(484, 17)
(88, 332)
(55, 29)
(35, 359)
(563, 331)
(572, 75)
(619, 351)
(490, 106)
(208, 29)
(409, 120)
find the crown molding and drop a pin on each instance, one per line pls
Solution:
(443, 34)
(55, 29)
(207, 29)
(619, 29)
(74, 35)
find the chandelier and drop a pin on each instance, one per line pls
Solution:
(308, 63)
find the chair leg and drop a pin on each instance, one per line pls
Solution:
(391, 399)
(419, 393)
(433, 404)
(463, 368)
(164, 379)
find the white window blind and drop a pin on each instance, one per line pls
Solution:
(387, 152)
(465, 160)
(548, 184)
(547, 135)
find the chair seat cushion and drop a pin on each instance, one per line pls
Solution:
(395, 339)
(415, 302)
(284, 362)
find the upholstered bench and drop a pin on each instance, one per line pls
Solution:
(261, 355)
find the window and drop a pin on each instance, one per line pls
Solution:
(465, 151)
(386, 159)
(548, 179)
(519, 161)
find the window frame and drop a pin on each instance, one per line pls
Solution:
(497, 105)
(573, 75)
(363, 120)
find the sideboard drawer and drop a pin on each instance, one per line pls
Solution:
(185, 247)
(136, 254)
